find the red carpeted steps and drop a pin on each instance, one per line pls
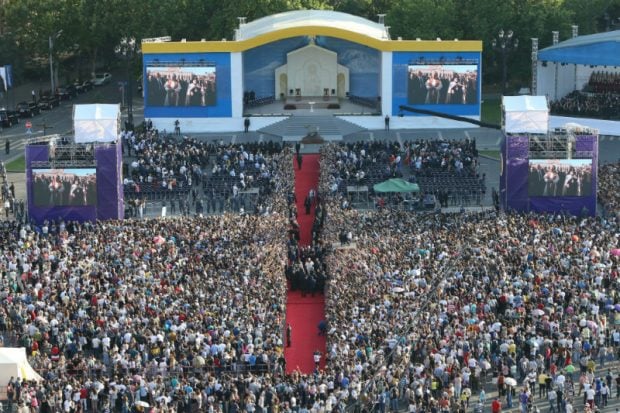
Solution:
(305, 313)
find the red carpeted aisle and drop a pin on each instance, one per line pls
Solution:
(305, 313)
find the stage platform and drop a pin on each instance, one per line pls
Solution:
(605, 127)
(311, 106)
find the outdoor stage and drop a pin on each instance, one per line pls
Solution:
(311, 105)
(605, 127)
(307, 63)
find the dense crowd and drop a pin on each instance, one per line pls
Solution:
(602, 82)
(422, 310)
(600, 98)
(608, 194)
(116, 312)
(430, 306)
(446, 169)
(196, 175)
(585, 104)
(364, 163)
(11, 206)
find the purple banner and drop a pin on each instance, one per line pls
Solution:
(109, 179)
(515, 174)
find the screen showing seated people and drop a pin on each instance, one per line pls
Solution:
(560, 177)
(180, 86)
(64, 187)
(442, 84)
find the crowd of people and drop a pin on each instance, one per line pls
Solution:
(608, 194)
(426, 308)
(423, 311)
(445, 169)
(196, 175)
(600, 98)
(365, 163)
(11, 206)
(603, 82)
(585, 104)
(160, 311)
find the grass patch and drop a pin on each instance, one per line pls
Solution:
(490, 154)
(17, 165)
(492, 111)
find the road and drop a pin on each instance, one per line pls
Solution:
(60, 120)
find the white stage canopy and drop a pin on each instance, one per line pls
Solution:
(96, 123)
(525, 114)
(14, 363)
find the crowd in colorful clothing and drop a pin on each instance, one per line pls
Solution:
(423, 310)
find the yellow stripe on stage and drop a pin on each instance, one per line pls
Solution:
(382, 45)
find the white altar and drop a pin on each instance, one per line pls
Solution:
(311, 71)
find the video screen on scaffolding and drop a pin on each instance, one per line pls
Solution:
(560, 177)
(187, 86)
(64, 187)
(442, 84)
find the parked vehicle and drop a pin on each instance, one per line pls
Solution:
(8, 118)
(27, 109)
(101, 79)
(48, 102)
(67, 92)
(85, 86)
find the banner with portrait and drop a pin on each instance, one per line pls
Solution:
(442, 84)
(184, 86)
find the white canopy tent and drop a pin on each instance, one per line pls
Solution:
(14, 363)
(96, 123)
(525, 114)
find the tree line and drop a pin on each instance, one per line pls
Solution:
(85, 31)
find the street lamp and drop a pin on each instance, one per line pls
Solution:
(126, 50)
(505, 43)
(51, 44)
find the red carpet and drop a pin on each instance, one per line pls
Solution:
(305, 313)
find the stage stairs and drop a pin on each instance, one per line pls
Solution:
(328, 127)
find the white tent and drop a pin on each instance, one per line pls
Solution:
(96, 123)
(14, 363)
(525, 114)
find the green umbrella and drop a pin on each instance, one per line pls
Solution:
(570, 368)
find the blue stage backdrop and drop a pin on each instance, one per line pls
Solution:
(445, 82)
(363, 62)
(549, 185)
(187, 85)
(107, 182)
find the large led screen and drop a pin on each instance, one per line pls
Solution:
(180, 86)
(560, 177)
(64, 187)
(442, 84)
